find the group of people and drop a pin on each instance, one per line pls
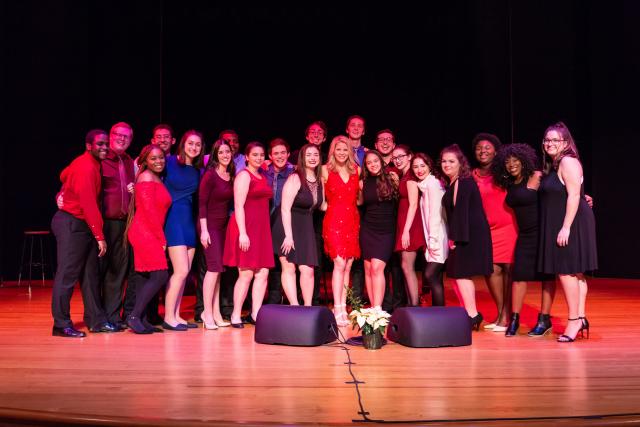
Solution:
(508, 220)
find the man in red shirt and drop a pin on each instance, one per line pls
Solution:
(80, 240)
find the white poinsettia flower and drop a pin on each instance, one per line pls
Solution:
(371, 320)
(361, 321)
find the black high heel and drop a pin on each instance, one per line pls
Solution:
(567, 338)
(513, 325)
(543, 327)
(585, 326)
(476, 321)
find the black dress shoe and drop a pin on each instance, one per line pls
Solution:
(67, 332)
(237, 325)
(150, 327)
(248, 319)
(178, 327)
(190, 325)
(105, 327)
(137, 326)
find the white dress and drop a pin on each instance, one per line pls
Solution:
(433, 222)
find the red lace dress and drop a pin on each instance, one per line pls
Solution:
(502, 220)
(341, 225)
(146, 232)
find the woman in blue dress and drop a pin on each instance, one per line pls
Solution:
(183, 176)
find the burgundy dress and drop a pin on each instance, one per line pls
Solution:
(416, 232)
(341, 225)
(146, 233)
(258, 227)
(214, 198)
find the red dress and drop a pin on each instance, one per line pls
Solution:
(502, 221)
(146, 232)
(416, 232)
(341, 225)
(257, 225)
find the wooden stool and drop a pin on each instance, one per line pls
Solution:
(31, 236)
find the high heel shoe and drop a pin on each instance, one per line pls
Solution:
(543, 327)
(340, 315)
(567, 338)
(585, 326)
(210, 326)
(513, 325)
(476, 321)
(222, 323)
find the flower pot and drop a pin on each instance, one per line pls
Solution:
(372, 341)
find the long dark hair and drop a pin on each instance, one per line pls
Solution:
(569, 151)
(301, 165)
(523, 152)
(386, 187)
(214, 161)
(428, 161)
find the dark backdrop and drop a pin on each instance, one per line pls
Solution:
(435, 76)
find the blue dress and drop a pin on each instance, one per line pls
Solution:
(182, 183)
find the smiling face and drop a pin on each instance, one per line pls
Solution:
(485, 152)
(316, 135)
(513, 165)
(225, 155)
(233, 141)
(192, 147)
(156, 160)
(163, 139)
(120, 139)
(311, 157)
(255, 158)
(279, 156)
(99, 148)
(373, 164)
(400, 159)
(385, 143)
(341, 152)
(420, 168)
(450, 165)
(553, 144)
(355, 128)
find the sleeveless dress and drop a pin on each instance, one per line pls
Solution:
(524, 202)
(306, 251)
(258, 227)
(580, 254)
(501, 219)
(416, 232)
(377, 230)
(214, 199)
(341, 224)
(152, 200)
(469, 229)
(181, 182)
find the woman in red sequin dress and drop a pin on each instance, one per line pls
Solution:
(341, 225)
(145, 233)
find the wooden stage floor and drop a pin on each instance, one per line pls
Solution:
(223, 377)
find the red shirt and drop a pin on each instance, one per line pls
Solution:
(81, 182)
(117, 173)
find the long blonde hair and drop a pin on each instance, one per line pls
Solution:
(331, 160)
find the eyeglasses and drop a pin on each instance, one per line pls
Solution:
(120, 135)
(553, 141)
(396, 158)
(385, 139)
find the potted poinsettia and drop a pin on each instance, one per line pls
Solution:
(371, 321)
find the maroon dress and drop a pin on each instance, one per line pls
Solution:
(214, 198)
(146, 233)
(258, 227)
(416, 232)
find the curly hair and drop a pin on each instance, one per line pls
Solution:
(523, 152)
(386, 186)
(465, 169)
(352, 166)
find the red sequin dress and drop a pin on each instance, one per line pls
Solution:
(502, 220)
(341, 225)
(146, 233)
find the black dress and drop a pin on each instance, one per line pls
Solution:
(580, 254)
(469, 229)
(305, 252)
(378, 225)
(524, 202)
